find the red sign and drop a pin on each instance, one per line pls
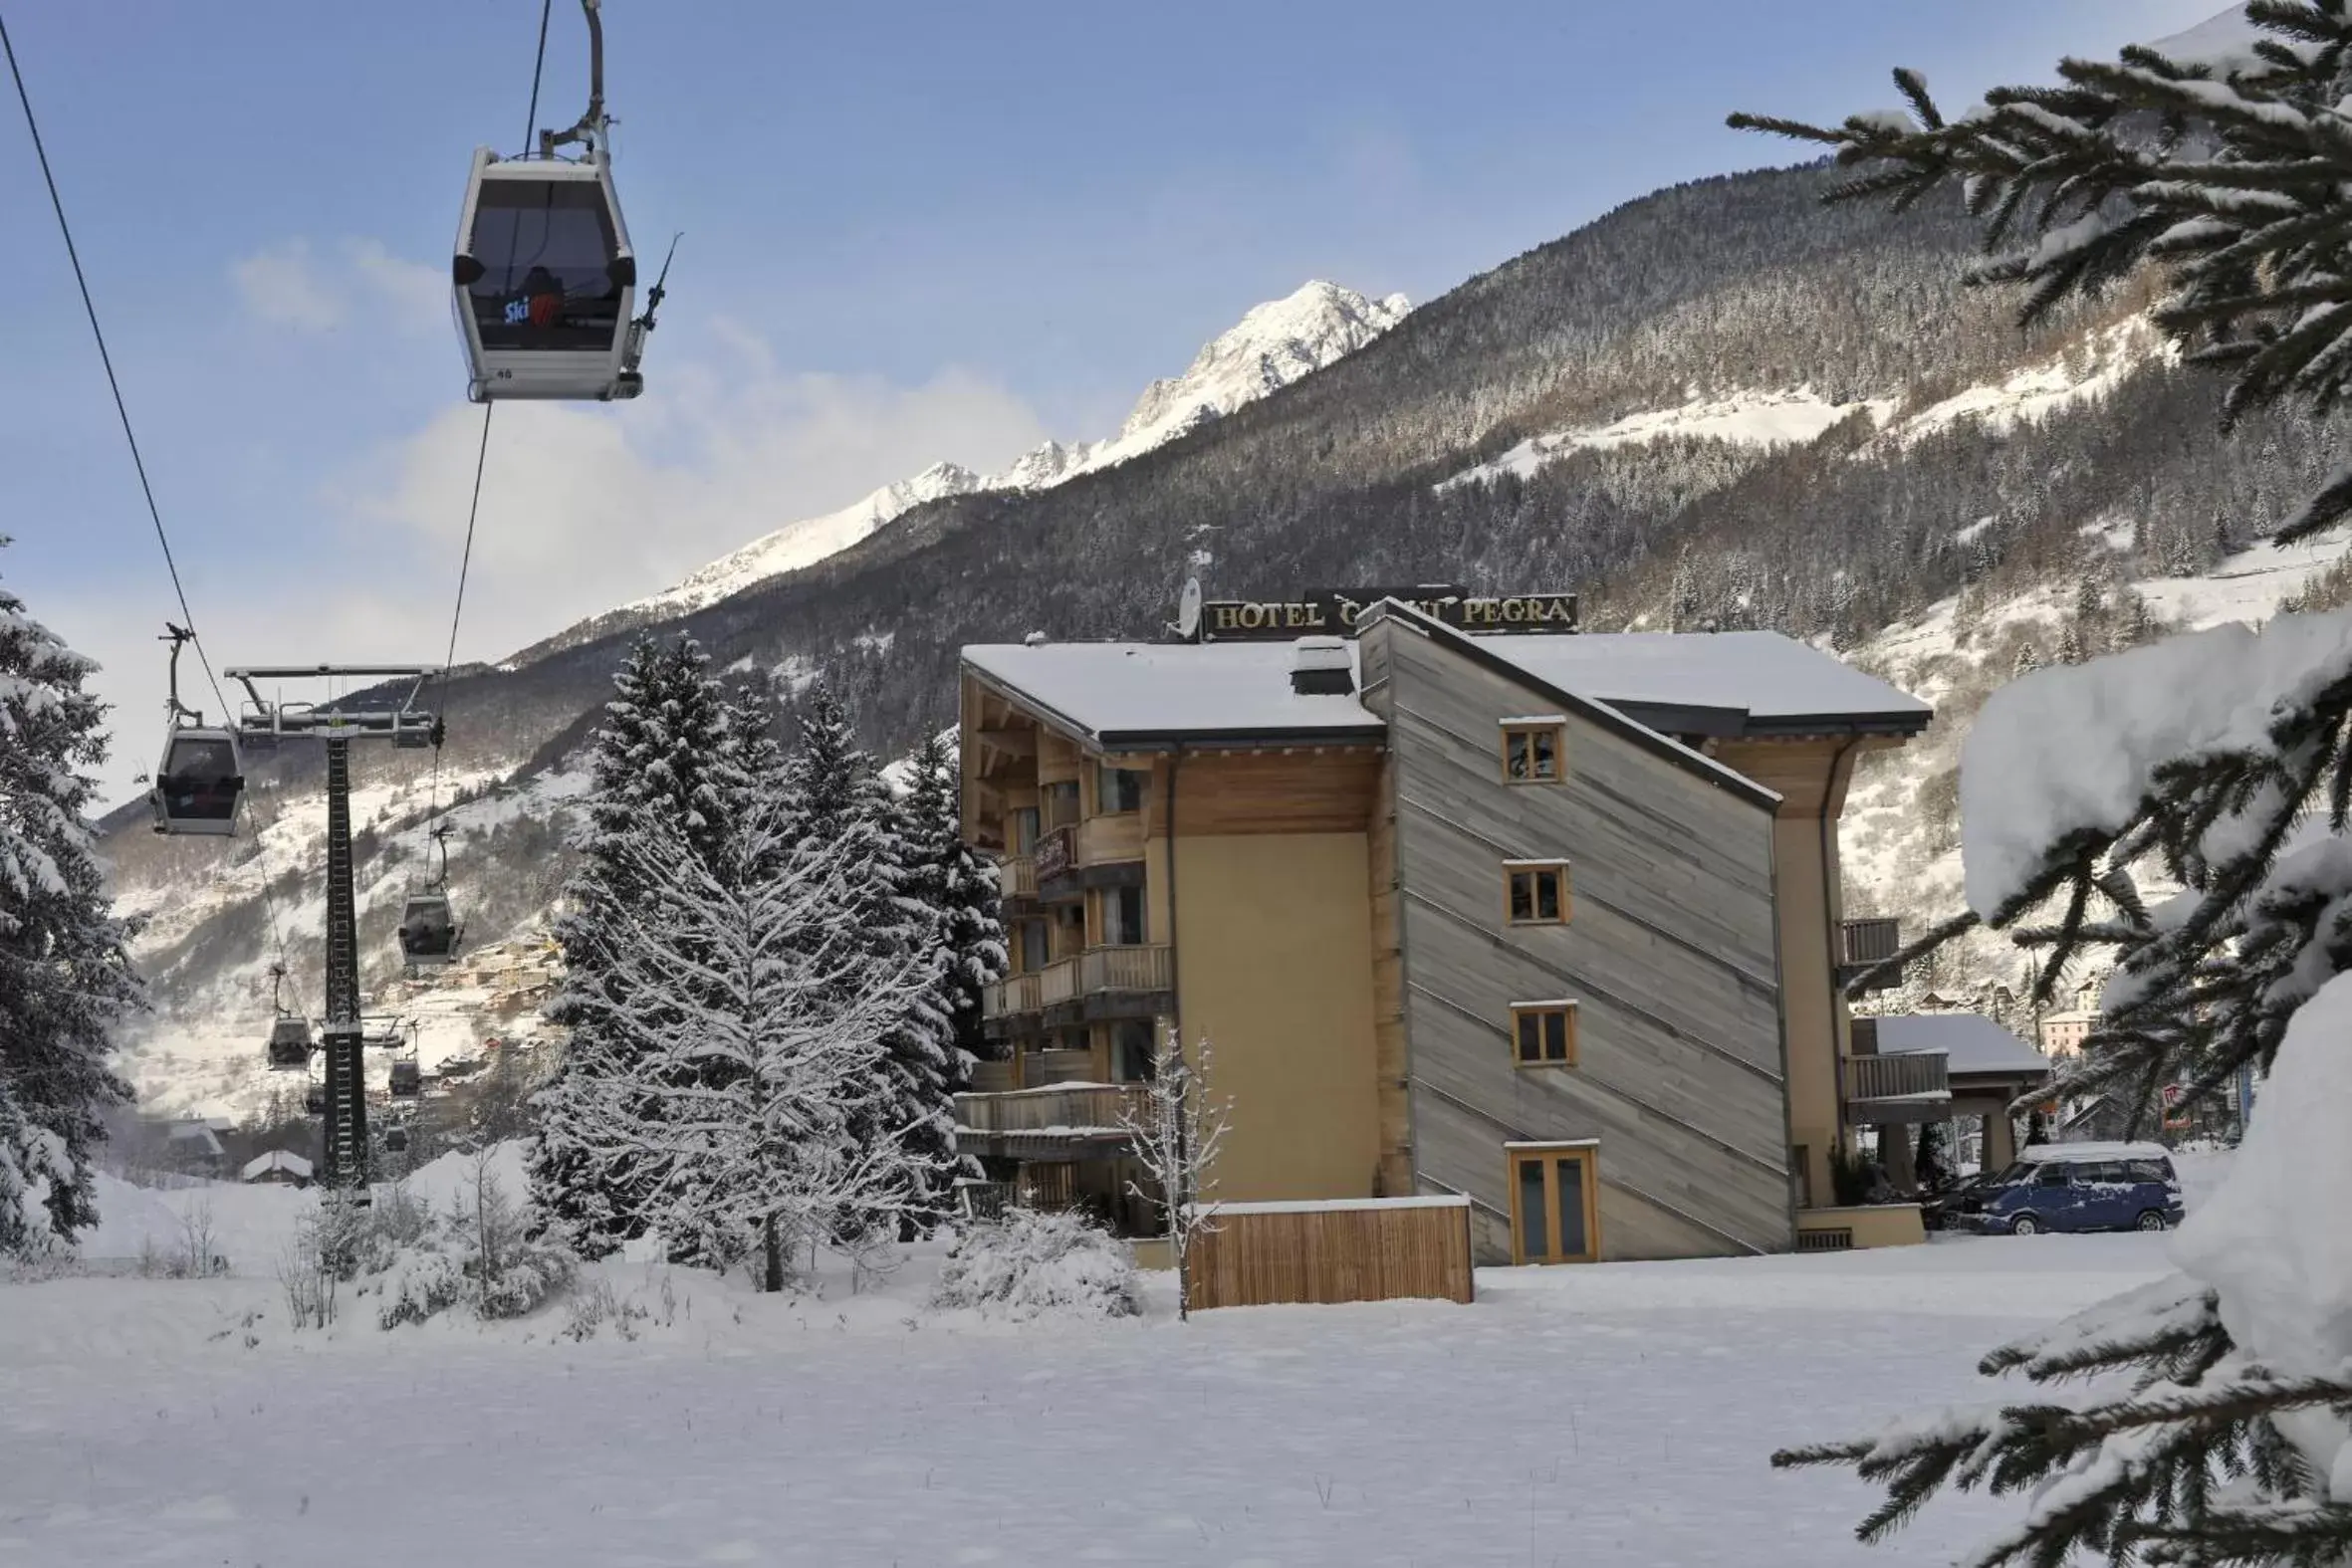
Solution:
(1053, 854)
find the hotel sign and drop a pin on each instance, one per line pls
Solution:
(1333, 612)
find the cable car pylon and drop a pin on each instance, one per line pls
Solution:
(343, 1159)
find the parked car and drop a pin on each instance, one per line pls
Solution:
(1947, 1211)
(2080, 1187)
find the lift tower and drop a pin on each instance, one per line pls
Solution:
(264, 726)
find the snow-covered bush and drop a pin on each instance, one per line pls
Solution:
(1031, 1263)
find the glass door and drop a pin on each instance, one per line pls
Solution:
(1555, 1216)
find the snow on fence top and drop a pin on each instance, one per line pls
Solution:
(2071, 748)
(1334, 1204)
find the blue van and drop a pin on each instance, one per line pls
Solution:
(2079, 1187)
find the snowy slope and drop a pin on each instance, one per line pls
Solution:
(1899, 855)
(1270, 347)
(1789, 417)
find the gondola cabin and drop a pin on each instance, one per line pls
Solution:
(428, 929)
(395, 1140)
(314, 1100)
(290, 1044)
(198, 783)
(545, 281)
(407, 1080)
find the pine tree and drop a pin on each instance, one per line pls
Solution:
(2070, 643)
(760, 1011)
(2200, 1450)
(835, 795)
(65, 975)
(948, 876)
(667, 756)
(2027, 662)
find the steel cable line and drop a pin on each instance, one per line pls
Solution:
(482, 454)
(113, 384)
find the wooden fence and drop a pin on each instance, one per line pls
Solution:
(1368, 1250)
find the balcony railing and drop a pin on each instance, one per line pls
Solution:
(1012, 995)
(1017, 877)
(992, 1078)
(1057, 853)
(1864, 944)
(1043, 1069)
(1123, 968)
(1091, 973)
(1899, 1075)
(1063, 1110)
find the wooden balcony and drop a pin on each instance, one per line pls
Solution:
(1017, 877)
(1097, 983)
(1902, 1086)
(1864, 944)
(1055, 1121)
(1101, 851)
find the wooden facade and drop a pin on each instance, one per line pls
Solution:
(1667, 954)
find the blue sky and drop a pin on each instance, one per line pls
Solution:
(914, 231)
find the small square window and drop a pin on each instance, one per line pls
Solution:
(1531, 753)
(1544, 1033)
(1538, 893)
(1119, 790)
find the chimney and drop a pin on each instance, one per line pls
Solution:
(1320, 667)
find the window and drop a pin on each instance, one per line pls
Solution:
(1800, 1171)
(2053, 1174)
(1122, 916)
(1532, 751)
(1024, 830)
(1119, 790)
(1034, 953)
(1554, 1212)
(1061, 804)
(1538, 892)
(1132, 1055)
(1544, 1033)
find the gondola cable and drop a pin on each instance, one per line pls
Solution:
(122, 410)
(482, 453)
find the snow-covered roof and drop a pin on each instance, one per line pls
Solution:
(1141, 691)
(1741, 682)
(277, 1160)
(2094, 1151)
(1777, 682)
(1970, 1041)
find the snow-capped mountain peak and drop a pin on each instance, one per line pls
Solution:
(1272, 345)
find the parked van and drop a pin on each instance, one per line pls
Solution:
(2079, 1187)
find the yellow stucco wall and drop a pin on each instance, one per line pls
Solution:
(1273, 958)
(1882, 1224)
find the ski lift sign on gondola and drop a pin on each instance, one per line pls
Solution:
(544, 272)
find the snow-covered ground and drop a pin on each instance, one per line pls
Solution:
(1619, 1414)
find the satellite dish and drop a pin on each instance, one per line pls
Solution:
(1188, 610)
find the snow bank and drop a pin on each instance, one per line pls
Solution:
(2073, 747)
(2272, 1239)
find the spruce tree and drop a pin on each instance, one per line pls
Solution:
(960, 887)
(835, 796)
(666, 754)
(65, 975)
(2214, 1430)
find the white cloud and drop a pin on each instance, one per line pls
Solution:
(281, 286)
(292, 284)
(586, 507)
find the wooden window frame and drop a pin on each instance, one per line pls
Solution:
(1512, 870)
(1522, 1010)
(1587, 1152)
(1557, 728)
